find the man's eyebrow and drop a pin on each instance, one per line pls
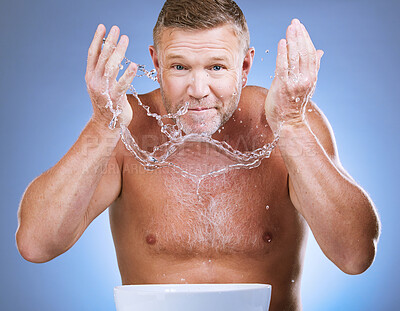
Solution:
(219, 58)
(179, 57)
(174, 56)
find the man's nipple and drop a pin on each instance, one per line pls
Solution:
(151, 239)
(267, 237)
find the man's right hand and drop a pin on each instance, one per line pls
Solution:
(103, 64)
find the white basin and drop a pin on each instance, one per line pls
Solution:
(193, 297)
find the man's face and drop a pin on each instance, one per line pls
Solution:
(204, 69)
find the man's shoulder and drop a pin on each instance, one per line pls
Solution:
(254, 91)
(151, 99)
(253, 97)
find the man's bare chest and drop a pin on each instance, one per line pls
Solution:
(240, 211)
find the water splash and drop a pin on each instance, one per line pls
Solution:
(165, 155)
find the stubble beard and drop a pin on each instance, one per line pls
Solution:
(224, 112)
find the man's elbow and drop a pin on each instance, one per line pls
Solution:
(358, 262)
(29, 251)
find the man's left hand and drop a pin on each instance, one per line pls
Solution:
(297, 67)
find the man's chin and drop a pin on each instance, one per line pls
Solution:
(199, 126)
(205, 129)
(198, 130)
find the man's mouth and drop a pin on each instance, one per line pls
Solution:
(200, 109)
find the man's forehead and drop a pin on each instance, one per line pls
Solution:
(220, 36)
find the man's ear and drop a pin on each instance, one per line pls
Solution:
(247, 63)
(154, 57)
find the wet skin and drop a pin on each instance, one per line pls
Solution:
(163, 232)
(155, 220)
(245, 225)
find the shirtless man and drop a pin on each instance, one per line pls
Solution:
(248, 226)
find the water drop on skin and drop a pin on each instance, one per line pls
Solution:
(310, 110)
(151, 162)
(297, 99)
(267, 207)
(241, 121)
(240, 109)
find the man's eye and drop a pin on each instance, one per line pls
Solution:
(217, 68)
(179, 67)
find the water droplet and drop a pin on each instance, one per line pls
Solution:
(266, 51)
(310, 110)
(121, 67)
(209, 260)
(297, 99)
(240, 109)
(219, 131)
(292, 281)
(241, 121)
(267, 207)
(256, 126)
(152, 161)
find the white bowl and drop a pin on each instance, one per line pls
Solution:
(193, 297)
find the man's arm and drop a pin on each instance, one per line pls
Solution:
(339, 212)
(58, 206)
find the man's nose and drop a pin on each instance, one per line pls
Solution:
(199, 85)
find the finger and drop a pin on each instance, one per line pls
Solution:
(126, 79)
(282, 60)
(308, 38)
(293, 55)
(311, 49)
(95, 50)
(304, 53)
(108, 49)
(112, 66)
(320, 53)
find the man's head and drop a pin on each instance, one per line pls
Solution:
(202, 56)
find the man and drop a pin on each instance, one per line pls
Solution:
(247, 225)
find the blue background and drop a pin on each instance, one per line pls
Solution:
(44, 107)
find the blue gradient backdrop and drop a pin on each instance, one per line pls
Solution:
(44, 106)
